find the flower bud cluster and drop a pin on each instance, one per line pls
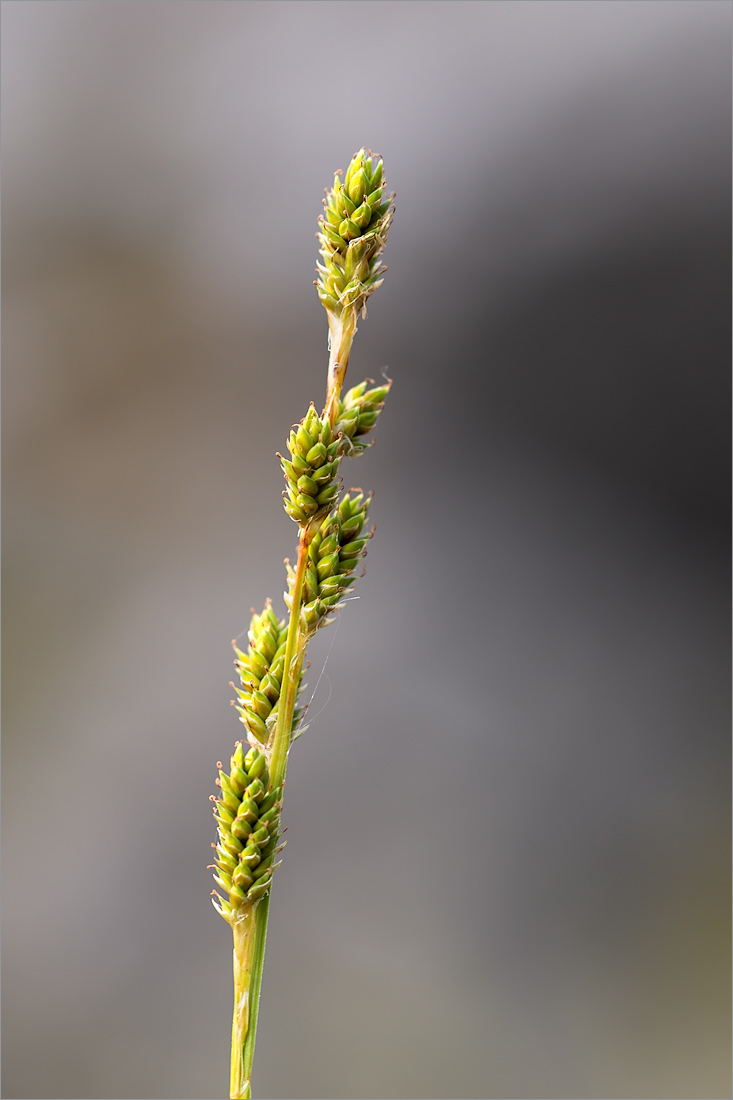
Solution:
(248, 816)
(352, 233)
(333, 554)
(311, 475)
(261, 672)
(357, 413)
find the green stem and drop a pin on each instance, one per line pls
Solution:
(294, 649)
(250, 930)
(261, 911)
(243, 928)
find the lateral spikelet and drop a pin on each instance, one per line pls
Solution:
(260, 672)
(333, 555)
(352, 233)
(311, 475)
(357, 413)
(248, 816)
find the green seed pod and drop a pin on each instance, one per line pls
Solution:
(330, 544)
(327, 566)
(362, 215)
(317, 455)
(307, 485)
(299, 463)
(230, 800)
(241, 828)
(236, 895)
(349, 229)
(260, 836)
(296, 513)
(268, 802)
(328, 495)
(261, 703)
(248, 810)
(306, 503)
(303, 440)
(251, 856)
(255, 791)
(258, 664)
(231, 844)
(238, 778)
(226, 861)
(270, 687)
(347, 206)
(254, 724)
(259, 889)
(264, 866)
(324, 474)
(352, 549)
(358, 184)
(242, 877)
(269, 817)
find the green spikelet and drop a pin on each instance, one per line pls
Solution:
(311, 475)
(260, 672)
(357, 413)
(352, 233)
(333, 555)
(248, 816)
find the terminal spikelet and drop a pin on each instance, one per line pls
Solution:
(260, 672)
(357, 413)
(333, 554)
(248, 815)
(352, 233)
(311, 474)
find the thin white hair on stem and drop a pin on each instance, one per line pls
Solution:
(301, 728)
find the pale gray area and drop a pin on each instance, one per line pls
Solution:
(508, 868)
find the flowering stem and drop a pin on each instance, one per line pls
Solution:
(352, 234)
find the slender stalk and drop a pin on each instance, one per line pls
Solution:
(243, 928)
(249, 942)
(341, 332)
(262, 912)
(352, 233)
(289, 690)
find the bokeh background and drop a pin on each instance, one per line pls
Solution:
(508, 869)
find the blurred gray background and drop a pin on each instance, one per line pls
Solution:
(508, 869)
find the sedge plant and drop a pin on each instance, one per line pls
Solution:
(332, 536)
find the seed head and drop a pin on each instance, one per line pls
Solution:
(333, 554)
(260, 672)
(357, 413)
(352, 233)
(248, 816)
(311, 475)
